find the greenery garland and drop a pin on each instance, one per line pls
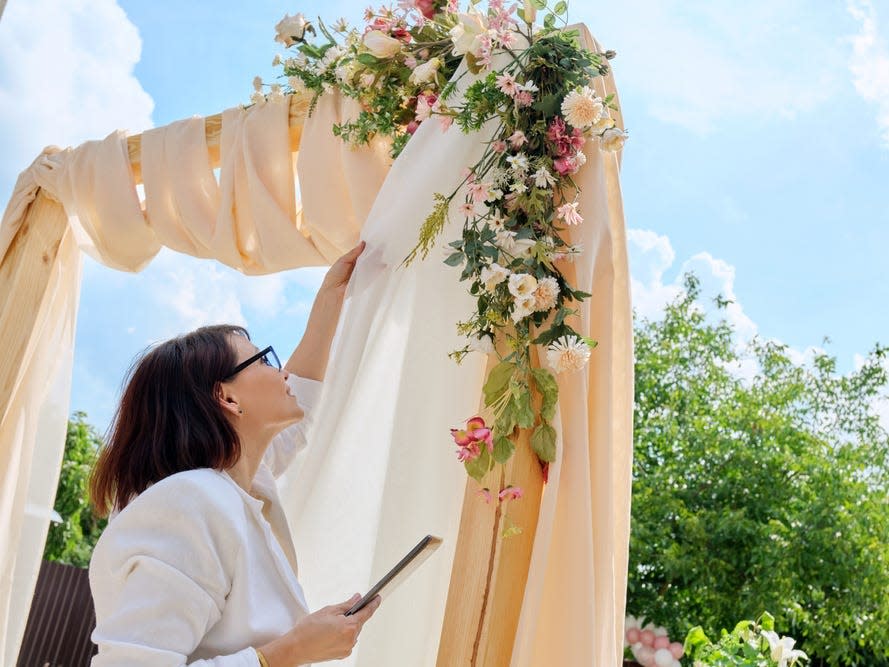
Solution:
(517, 201)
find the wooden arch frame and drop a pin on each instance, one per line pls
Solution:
(489, 572)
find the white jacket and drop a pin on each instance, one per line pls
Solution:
(191, 571)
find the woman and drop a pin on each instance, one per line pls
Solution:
(197, 566)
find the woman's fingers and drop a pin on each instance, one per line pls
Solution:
(367, 611)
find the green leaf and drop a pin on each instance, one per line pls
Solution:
(506, 420)
(548, 105)
(498, 379)
(368, 59)
(524, 412)
(480, 466)
(560, 8)
(455, 259)
(549, 20)
(503, 448)
(549, 391)
(543, 442)
(539, 4)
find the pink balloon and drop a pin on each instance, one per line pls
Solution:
(661, 641)
(677, 650)
(647, 637)
(633, 635)
(645, 656)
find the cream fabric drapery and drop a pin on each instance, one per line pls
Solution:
(381, 472)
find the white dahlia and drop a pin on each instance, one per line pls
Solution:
(568, 354)
(582, 108)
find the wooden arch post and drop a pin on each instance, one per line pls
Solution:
(490, 571)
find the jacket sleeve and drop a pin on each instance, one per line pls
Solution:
(160, 575)
(292, 440)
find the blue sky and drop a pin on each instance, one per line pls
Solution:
(759, 157)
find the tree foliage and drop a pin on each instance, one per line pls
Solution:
(758, 493)
(72, 540)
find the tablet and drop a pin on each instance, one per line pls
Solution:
(400, 572)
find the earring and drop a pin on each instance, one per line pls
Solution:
(240, 411)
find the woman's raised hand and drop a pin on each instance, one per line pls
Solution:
(337, 278)
(327, 634)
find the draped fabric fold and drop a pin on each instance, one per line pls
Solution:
(379, 473)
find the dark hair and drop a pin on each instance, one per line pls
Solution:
(169, 418)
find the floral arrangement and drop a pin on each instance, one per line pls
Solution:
(650, 645)
(403, 68)
(750, 644)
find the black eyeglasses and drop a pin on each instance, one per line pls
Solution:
(266, 356)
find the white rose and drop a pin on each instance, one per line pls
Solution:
(522, 247)
(523, 285)
(468, 31)
(493, 275)
(380, 44)
(425, 72)
(603, 123)
(524, 306)
(613, 139)
(291, 29)
(483, 344)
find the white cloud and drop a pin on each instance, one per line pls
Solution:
(193, 292)
(650, 256)
(66, 76)
(869, 62)
(697, 64)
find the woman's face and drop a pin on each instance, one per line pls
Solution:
(261, 391)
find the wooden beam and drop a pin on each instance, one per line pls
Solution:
(24, 276)
(490, 571)
(299, 108)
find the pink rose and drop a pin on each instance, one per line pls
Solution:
(426, 7)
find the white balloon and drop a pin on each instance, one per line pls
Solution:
(663, 658)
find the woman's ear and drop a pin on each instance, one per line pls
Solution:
(227, 400)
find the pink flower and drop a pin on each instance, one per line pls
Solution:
(461, 437)
(568, 213)
(412, 126)
(484, 435)
(518, 139)
(479, 191)
(523, 99)
(507, 37)
(469, 453)
(507, 84)
(446, 122)
(498, 146)
(468, 209)
(410, 61)
(556, 129)
(426, 7)
(565, 165)
(485, 495)
(511, 493)
(469, 438)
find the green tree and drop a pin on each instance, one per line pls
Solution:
(72, 540)
(764, 493)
